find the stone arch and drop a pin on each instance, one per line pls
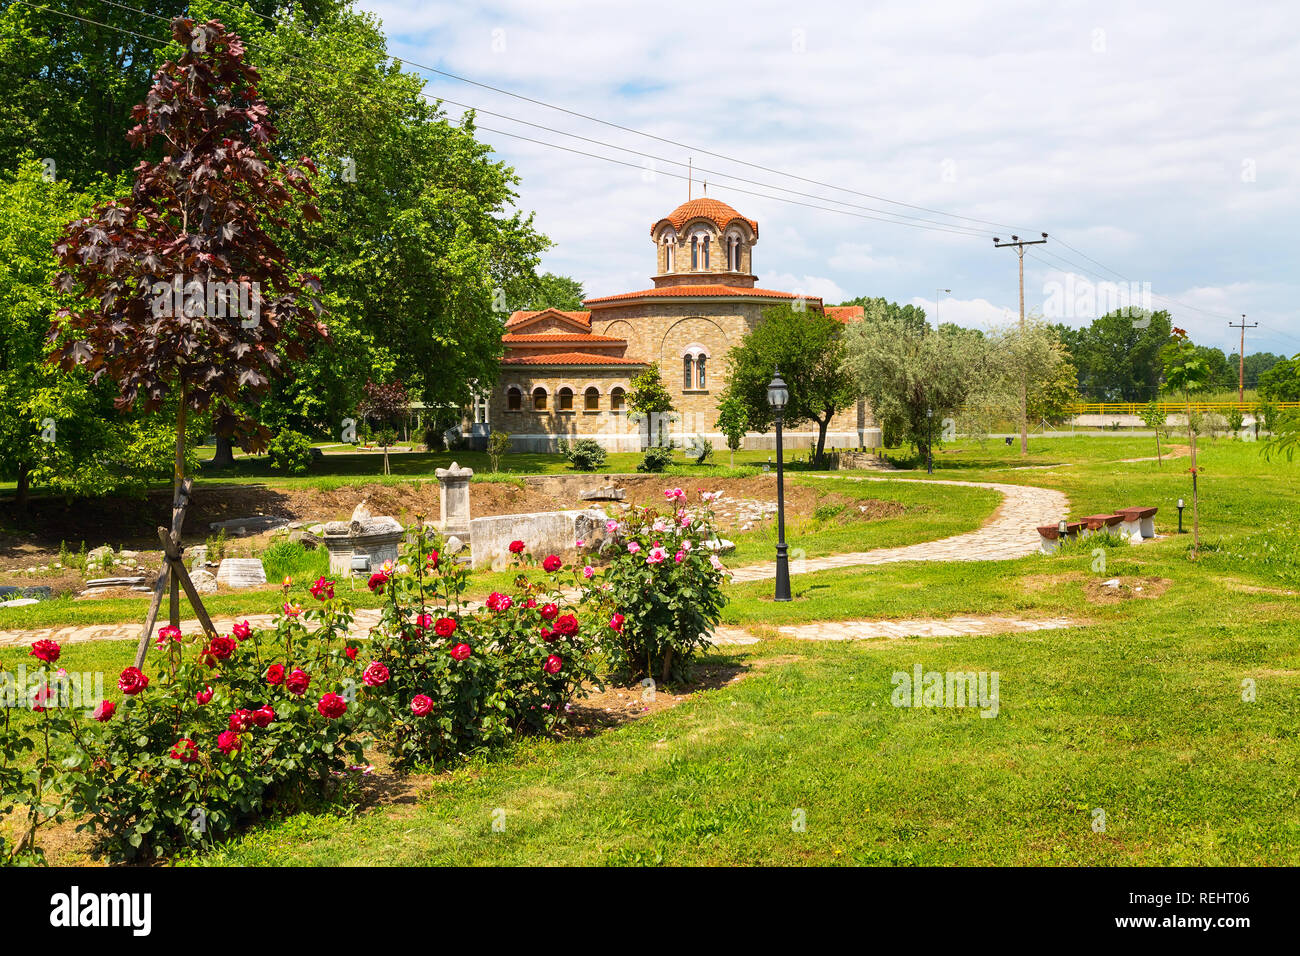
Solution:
(695, 331)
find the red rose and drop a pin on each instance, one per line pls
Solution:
(104, 711)
(549, 611)
(461, 651)
(263, 715)
(375, 674)
(228, 741)
(445, 626)
(220, 647)
(241, 719)
(421, 705)
(516, 547)
(332, 706)
(499, 602)
(616, 623)
(322, 589)
(552, 563)
(530, 603)
(275, 674)
(184, 751)
(431, 559)
(204, 696)
(242, 631)
(566, 625)
(377, 582)
(132, 681)
(47, 651)
(548, 635)
(553, 664)
(297, 681)
(351, 652)
(424, 621)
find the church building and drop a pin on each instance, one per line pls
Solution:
(568, 374)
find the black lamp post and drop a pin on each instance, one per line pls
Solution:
(777, 396)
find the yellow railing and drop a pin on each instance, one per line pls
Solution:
(1169, 408)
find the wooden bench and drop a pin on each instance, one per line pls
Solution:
(1093, 524)
(1138, 523)
(1050, 534)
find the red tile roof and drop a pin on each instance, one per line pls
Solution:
(522, 317)
(708, 291)
(719, 213)
(559, 338)
(570, 358)
(846, 313)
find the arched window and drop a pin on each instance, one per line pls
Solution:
(566, 399)
(514, 399)
(591, 399)
(733, 254)
(539, 399)
(704, 241)
(616, 400)
(699, 371)
(687, 364)
(695, 252)
(669, 247)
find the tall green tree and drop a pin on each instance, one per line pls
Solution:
(733, 422)
(1118, 355)
(808, 346)
(59, 430)
(916, 377)
(876, 308)
(650, 399)
(555, 292)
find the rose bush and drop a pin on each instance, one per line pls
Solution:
(660, 596)
(458, 681)
(219, 735)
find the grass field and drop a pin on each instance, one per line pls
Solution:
(1140, 711)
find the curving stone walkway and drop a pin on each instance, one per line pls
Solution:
(1012, 532)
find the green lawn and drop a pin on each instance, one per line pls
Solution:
(1138, 712)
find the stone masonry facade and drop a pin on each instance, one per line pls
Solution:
(567, 374)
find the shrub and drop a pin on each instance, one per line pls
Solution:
(290, 452)
(498, 444)
(459, 682)
(1236, 419)
(656, 458)
(701, 449)
(585, 454)
(661, 595)
(220, 734)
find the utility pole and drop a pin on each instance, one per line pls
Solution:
(1019, 245)
(1241, 357)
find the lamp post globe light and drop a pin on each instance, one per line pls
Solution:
(777, 397)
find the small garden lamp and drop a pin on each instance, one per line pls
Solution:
(1181, 505)
(1062, 527)
(777, 397)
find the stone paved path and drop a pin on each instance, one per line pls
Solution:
(949, 627)
(1010, 533)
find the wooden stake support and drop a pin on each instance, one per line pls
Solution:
(173, 578)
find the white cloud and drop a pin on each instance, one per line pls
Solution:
(1165, 150)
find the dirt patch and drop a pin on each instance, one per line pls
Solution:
(615, 706)
(1127, 589)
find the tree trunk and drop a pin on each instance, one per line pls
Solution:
(24, 485)
(1159, 459)
(225, 453)
(179, 475)
(821, 436)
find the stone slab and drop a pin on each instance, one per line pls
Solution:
(241, 573)
(254, 524)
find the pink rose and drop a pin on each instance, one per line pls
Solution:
(375, 674)
(167, 634)
(679, 557)
(588, 571)
(633, 547)
(421, 705)
(460, 652)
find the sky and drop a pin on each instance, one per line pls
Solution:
(1157, 144)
